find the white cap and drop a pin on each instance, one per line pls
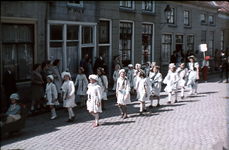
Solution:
(93, 76)
(51, 77)
(139, 65)
(122, 70)
(130, 65)
(14, 96)
(172, 65)
(65, 73)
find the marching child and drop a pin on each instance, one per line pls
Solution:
(130, 76)
(51, 95)
(102, 81)
(136, 75)
(123, 93)
(116, 75)
(193, 76)
(142, 91)
(153, 64)
(171, 80)
(68, 94)
(182, 74)
(94, 98)
(156, 79)
(81, 83)
(147, 68)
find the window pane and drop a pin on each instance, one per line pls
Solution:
(150, 29)
(104, 32)
(179, 38)
(143, 5)
(129, 4)
(55, 52)
(56, 32)
(72, 57)
(72, 32)
(87, 35)
(125, 28)
(129, 28)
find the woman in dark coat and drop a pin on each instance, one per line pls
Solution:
(44, 74)
(36, 86)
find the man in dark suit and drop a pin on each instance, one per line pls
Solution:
(9, 84)
(173, 58)
(99, 62)
(83, 63)
(223, 66)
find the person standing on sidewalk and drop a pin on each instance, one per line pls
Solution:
(94, 98)
(123, 93)
(171, 80)
(130, 76)
(204, 68)
(51, 95)
(57, 77)
(193, 76)
(103, 82)
(81, 83)
(223, 66)
(68, 94)
(116, 75)
(136, 76)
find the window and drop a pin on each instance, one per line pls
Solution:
(76, 3)
(126, 4)
(166, 47)
(87, 35)
(211, 19)
(171, 14)
(203, 18)
(211, 44)
(203, 37)
(125, 43)
(18, 49)
(190, 43)
(147, 5)
(222, 40)
(146, 43)
(186, 18)
(104, 32)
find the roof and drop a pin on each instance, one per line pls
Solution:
(223, 4)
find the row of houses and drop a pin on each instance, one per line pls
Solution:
(35, 31)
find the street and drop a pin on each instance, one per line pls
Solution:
(194, 123)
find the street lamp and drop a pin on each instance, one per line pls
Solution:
(167, 13)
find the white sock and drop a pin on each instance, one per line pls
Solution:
(96, 118)
(170, 95)
(175, 95)
(71, 111)
(191, 91)
(182, 92)
(32, 107)
(141, 107)
(53, 112)
(151, 102)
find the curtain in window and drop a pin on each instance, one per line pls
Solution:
(72, 60)
(56, 53)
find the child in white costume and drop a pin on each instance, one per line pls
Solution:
(102, 81)
(171, 80)
(193, 76)
(130, 76)
(136, 76)
(51, 95)
(182, 74)
(94, 98)
(156, 79)
(81, 83)
(116, 75)
(147, 68)
(68, 93)
(143, 91)
(123, 93)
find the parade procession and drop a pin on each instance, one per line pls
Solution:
(138, 75)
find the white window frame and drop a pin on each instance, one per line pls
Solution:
(213, 19)
(153, 7)
(213, 42)
(188, 18)
(80, 45)
(132, 43)
(152, 39)
(205, 36)
(109, 44)
(205, 20)
(194, 41)
(132, 3)
(73, 4)
(174, 16)
(164, 62)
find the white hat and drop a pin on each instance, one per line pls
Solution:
(172, 65)
(148, 62)
(14, 96)
(122, 70)
(93, 76)
(65, 73)
(139, 65)
(192, 56)
(51, 77)
(130, 65)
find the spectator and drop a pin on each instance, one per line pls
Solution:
(44, 78)
(83, 63)
(182, 55)
(57, 77)
(49, 70)
(223, 66)
(173, 57)
(178, 58)
(99, 62)
(186, 58)
(89, 66)
(204, 68)
(9, 84)
(36, 86)
(217, 59)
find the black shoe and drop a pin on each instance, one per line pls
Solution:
(81, 106)
(175, 101)
(158, 105)
(69, 120)
(144, 110)
(140, 113)
(103, 109)
(182, 97)
(150, 106)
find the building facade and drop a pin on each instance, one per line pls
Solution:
(35, 31)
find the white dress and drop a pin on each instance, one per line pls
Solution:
(82, 82)
(94, 96)
(123, 89)
(57, 79)
(147, 71)
(115, 77)
(182, 74)
(136, 79)
(141, 90)
(130, 76)
(156, 86)
(192, 77)
(68, 88)
(51, 94)
(171, 80)
(104, 86)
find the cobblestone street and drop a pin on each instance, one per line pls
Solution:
(194, 123)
